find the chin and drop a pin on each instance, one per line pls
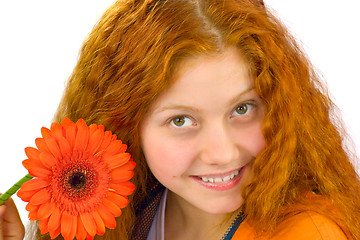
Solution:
(223, 208)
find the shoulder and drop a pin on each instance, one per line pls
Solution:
(307, 220)
(306, 225)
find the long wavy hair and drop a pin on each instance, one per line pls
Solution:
(130, 58)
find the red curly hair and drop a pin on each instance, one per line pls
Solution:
(130, 58)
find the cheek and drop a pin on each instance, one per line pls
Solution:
(252, 139)
(167, 159)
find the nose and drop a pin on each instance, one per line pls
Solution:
(218, 146)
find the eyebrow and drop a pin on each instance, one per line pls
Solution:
(237, 97)
(192, 109)
(177, 107)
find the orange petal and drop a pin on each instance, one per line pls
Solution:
(41, 145)
(125, 176)
(88, 237)
(121, 175)
(33, 216)
(66, 122)
(119, 200)
(88, 223)
(53, 147)
(113, 208)
(35, 170)
(54, 220)
(81, 232)
(39, 172)
(57, 130)
(92, 128)
(43, 225)
(100, 226)
(55, 233)
(74, 228)
(95, 141)
(129, 166)
(82, 135)
(113, 148)
(32, 153)
(114, 137)
(81, 123)
(123, 188)
(32, 211)
(107, 217)
(46, 209)
(45, 132)
(101, 127)
(34, 184)
(106, 140)
(70, 131)
(68, 225)
(123, 148)
(117, 160)
(40, 197)
(26, 195)
(47, 159)
(31, 208)
(65, 147)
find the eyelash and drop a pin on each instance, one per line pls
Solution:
(172, 120)
(250, 108)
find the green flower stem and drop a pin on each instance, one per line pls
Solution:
(5, 196)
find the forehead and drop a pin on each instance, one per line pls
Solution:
(229, 57)
(209, 77)
(215, 68)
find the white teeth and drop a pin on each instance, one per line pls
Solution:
(219, 179)
(227, 178)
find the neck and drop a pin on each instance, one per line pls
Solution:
(185, 221)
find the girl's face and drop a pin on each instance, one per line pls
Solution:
(202, 135)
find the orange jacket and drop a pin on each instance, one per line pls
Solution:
(304, 225)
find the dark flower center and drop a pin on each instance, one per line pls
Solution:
(77, 180)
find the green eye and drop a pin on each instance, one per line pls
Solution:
(179, 121)
(242, 109)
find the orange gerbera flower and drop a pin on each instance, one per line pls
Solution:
(81, 180)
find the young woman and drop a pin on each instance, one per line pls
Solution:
(232, 131)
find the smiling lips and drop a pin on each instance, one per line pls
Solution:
(220, 179)
(221, 183)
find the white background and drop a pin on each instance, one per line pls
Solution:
(40, 40)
